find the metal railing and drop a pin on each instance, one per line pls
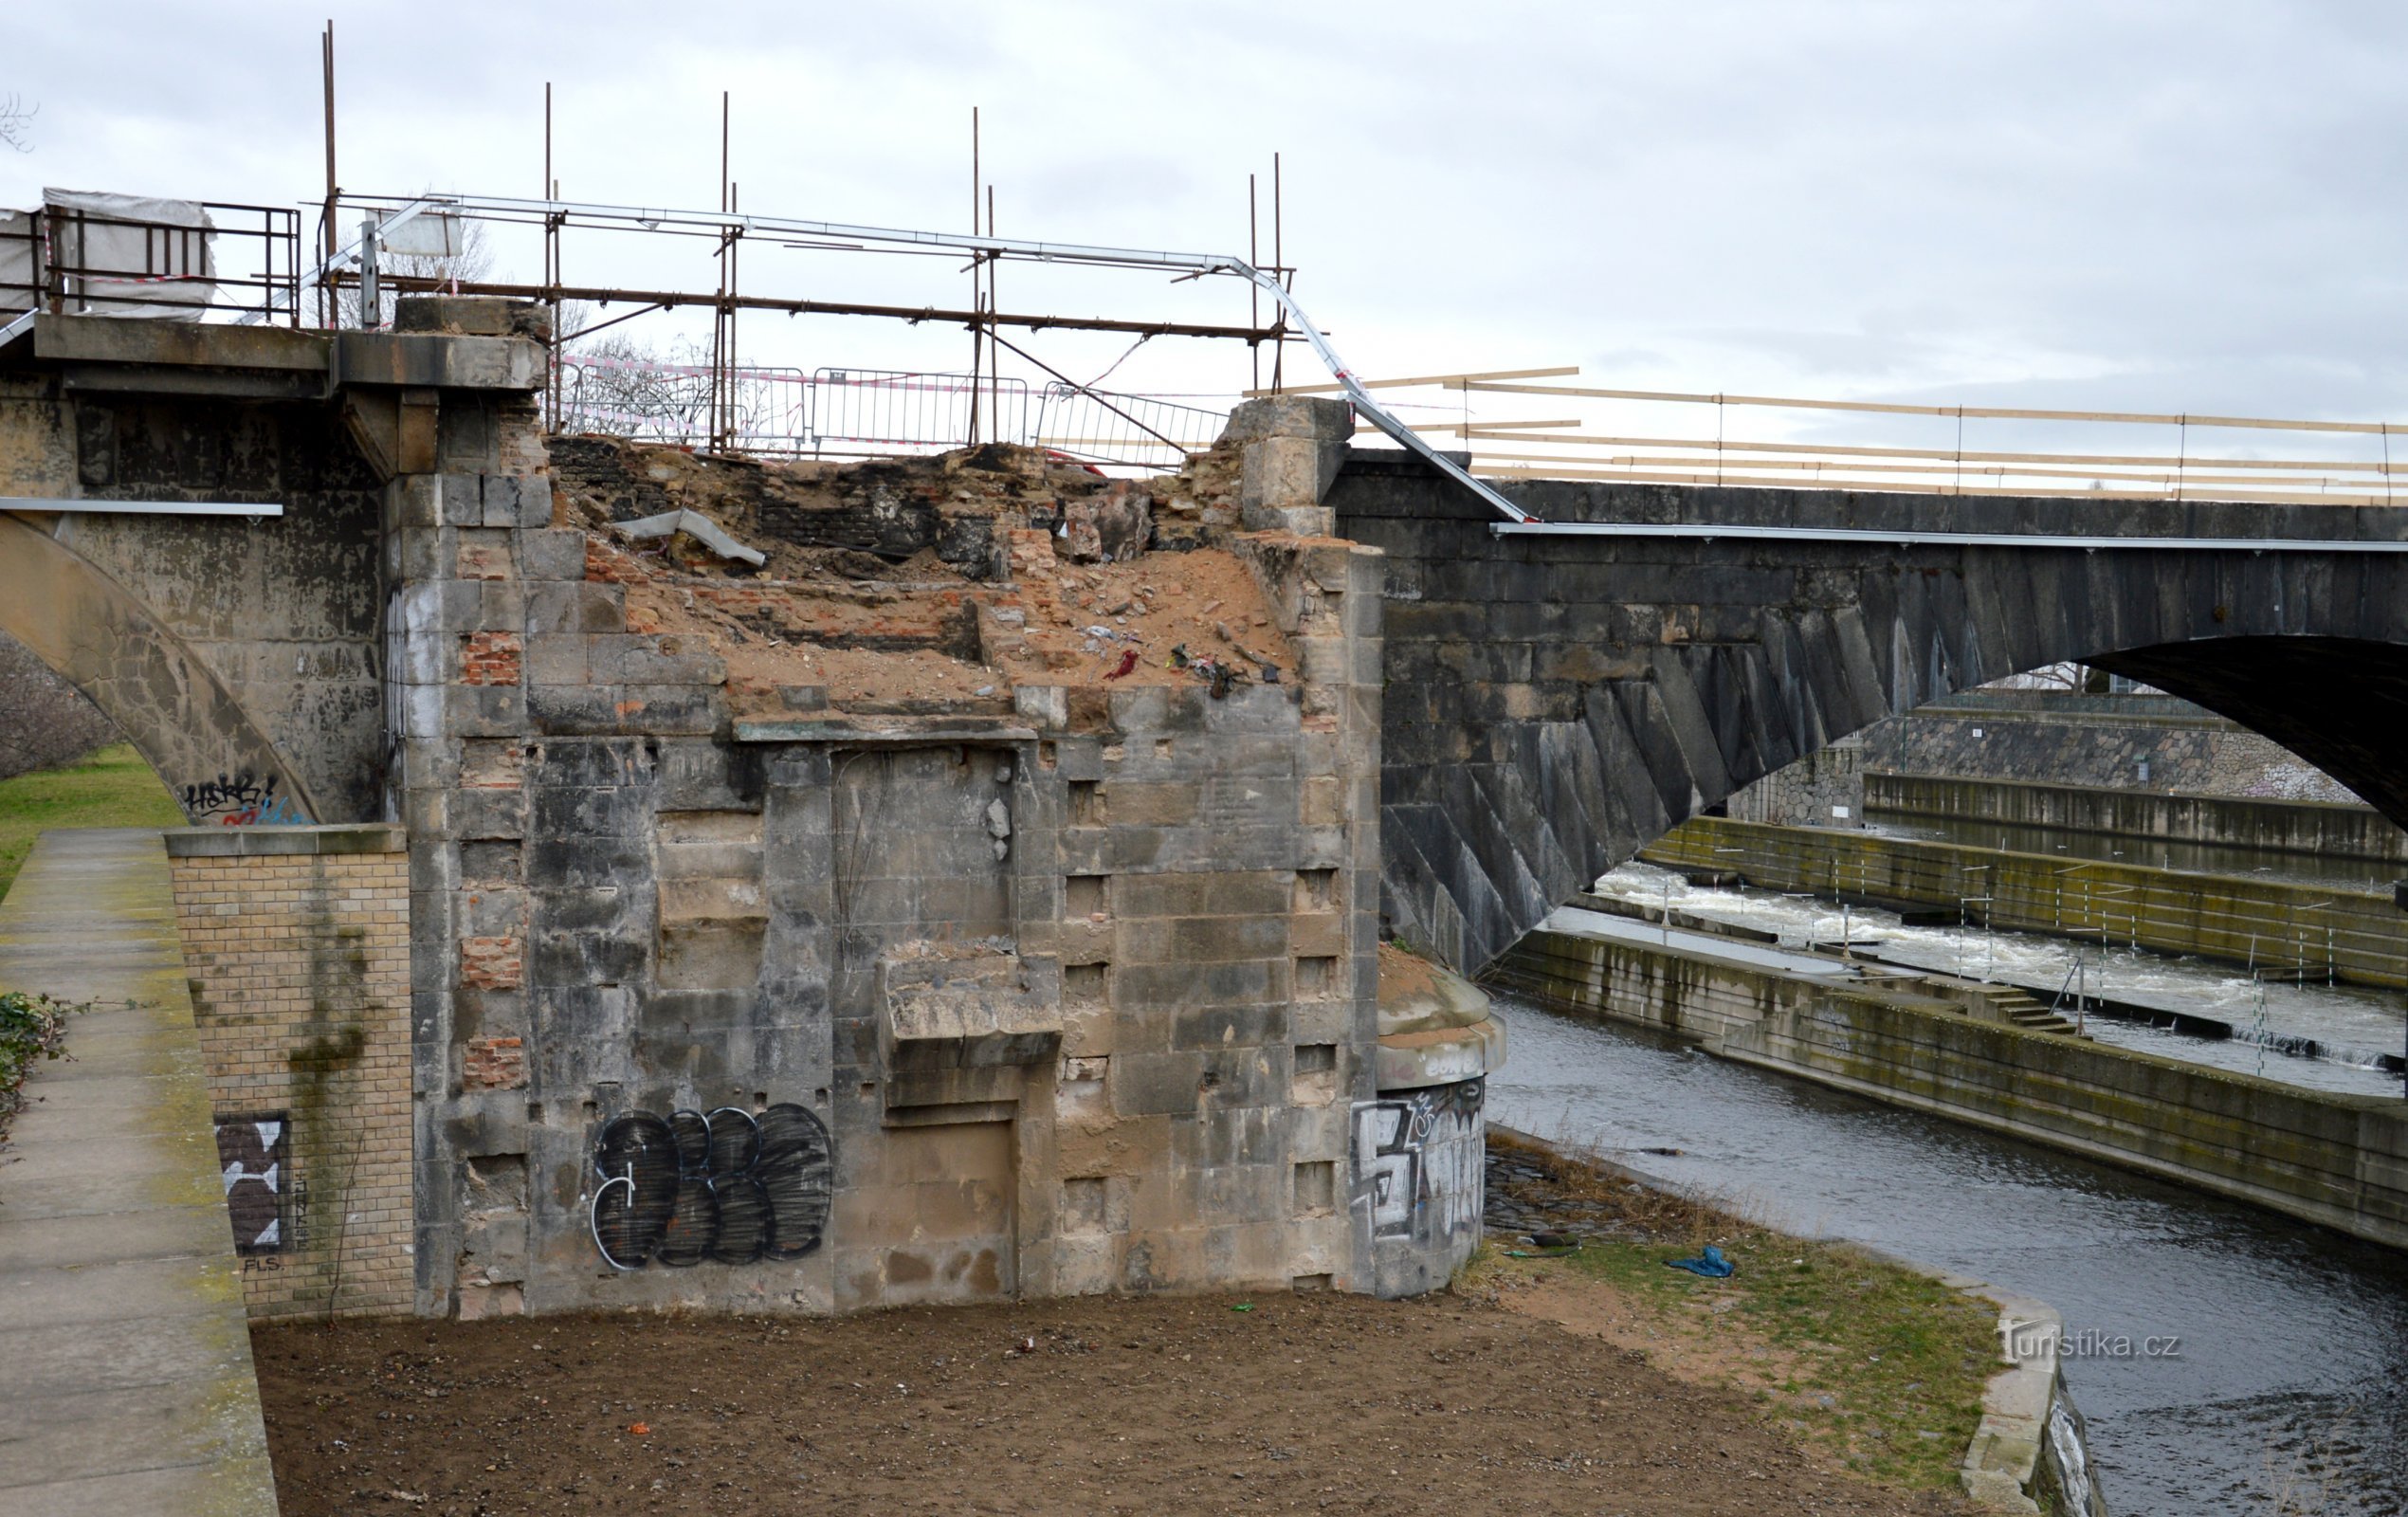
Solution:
(858, 412)
(1669, 438)
(214, 257)
(1100, 426)
(763, 410)
(872, 413)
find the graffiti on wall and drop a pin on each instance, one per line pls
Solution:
(241, 800)
(254, 1157)
(1418, 1156)
(724, 1185)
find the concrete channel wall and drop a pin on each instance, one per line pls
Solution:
(2284, 929)
(2336, 1160)
(2329, 829)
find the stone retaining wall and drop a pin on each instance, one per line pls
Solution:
(2335, 1159)
(2324, 827)
(2310, 931)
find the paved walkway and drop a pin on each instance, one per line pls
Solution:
(125, 1361)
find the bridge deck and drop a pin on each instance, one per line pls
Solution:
(126, 1384)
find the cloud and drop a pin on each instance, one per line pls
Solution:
(2192, 200)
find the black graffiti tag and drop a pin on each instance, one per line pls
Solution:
(724, 1185)
(254, 1160)
(240, 801)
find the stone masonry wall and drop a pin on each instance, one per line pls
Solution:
(297, 942)
(2204, 755)
(1824, 789)
(861, 1009)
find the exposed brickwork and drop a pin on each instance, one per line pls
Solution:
(492, 963)
(494, 1063)
(299, 968)
(491, 658)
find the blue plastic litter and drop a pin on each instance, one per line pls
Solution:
(1713, 1266)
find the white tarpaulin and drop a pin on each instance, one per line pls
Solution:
(131, 255)
(19, 283)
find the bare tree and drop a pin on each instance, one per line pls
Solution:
(620, 386)
(16, 122)
(44, 721)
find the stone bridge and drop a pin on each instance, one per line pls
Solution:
(1064, 979)
(1556, 699)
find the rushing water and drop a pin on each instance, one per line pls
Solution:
(2325, 872)
(2289, 1340)
(2271, 1016)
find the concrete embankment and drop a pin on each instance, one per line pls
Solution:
(2325, 829)
(2285, 929)
(2336, 1160)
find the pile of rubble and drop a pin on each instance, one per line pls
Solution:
(925, 585)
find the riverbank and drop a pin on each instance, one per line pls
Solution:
(2226, 1358)
(1883, 1367)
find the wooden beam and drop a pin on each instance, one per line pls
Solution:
(1478, 428)
(2006, 413)
(1842, 467)
(1451, 381)
(1969, 455)
(1906, 487)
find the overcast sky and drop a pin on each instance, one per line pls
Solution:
(2192, 207)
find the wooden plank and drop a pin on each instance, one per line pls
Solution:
(1836, 467)
(1474, 428)
(1452, 381)
(1906, 488)
(1969, 455)
(1894, 409)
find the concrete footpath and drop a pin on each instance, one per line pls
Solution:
(126, 1385)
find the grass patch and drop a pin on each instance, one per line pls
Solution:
(1879, 1366)
(112, 787)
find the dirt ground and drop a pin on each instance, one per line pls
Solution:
(1154, 1405)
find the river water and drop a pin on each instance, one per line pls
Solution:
(2291, 1340)
(2272, 1016)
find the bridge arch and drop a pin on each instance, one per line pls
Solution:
(1555, 702)
(179, 713)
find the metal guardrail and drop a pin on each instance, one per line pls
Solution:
(871, 412)
(235, 259)
(891, 411)
(1098, 427)
(767, 409)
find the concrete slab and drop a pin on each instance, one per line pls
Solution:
(129, 1388)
